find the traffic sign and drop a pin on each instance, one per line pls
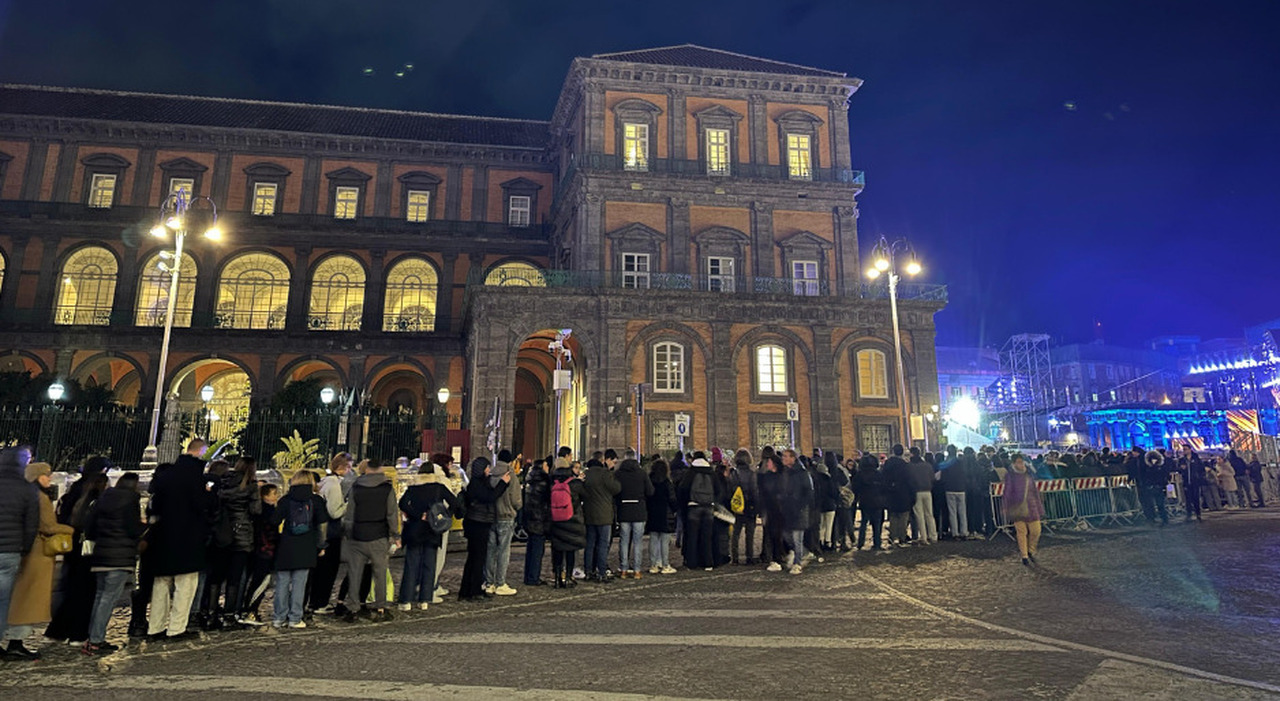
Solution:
(682, 425)
(793, 411)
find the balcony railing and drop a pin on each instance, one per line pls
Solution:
(682, 166)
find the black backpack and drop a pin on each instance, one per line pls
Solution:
(299, 519)
(439, 518)
(701, 490)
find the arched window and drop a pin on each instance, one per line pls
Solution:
(515, 275)
(87, 289)
(153, 292)
(253, 292)
(771, 369)
(873, 378)
(337, 295)
(411, 296)
(668, 368)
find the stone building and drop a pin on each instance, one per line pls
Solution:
(689, 213)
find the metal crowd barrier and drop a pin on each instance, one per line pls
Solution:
(1080, 503)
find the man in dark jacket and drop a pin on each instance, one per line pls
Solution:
(633, 495)
(181, 508)
(1193, 480)
(743, 476)
(115, 526)
(868, 486)
(796, 500)
(899, 496)
(537, 521)
(954, 478)
(599, 487)
(696, 494)
(370, 523)
(19, 519)
(920, 477)
(1153, 476)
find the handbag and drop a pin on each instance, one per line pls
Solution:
(723, 514)
(57, 544)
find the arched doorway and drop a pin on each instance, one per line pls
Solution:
(119, 376)
(535, 420)
(225, 412)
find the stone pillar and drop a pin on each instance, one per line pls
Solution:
(34, 173)
(47, 283)
(722, 393)
(141, 196)
(126, 289)
(591, 233)
(609, 378)
(758, 127)
(296, 317)
(824, 398)
(444, 305)
(839, 132)
(678, 235)
(593, 118)
(13, 273)
(309, 196)
(762, 243)
(676, 113)
(62, 361)
(453, 193)
(480, 194)
(220, 189)
(67, 168)
(847, 254)
(375, 296)
(265, 386)
(203, 301)
(382, 190)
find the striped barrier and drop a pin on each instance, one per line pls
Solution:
(1081, 503)
(1059, 506)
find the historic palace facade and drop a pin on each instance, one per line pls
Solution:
(689, 213)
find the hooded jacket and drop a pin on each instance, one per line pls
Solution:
(335, 503)
(482, 496)
(826, 494)
(115, 526)
(868, 484)
(684, 490)
(371, 512)
(236, 508)
(537, 502)
(512, 498)
(299, 551)
(416, 503)
(743, 475)
(571, 534)
(634, 491)
(599, 487)
(796, 495)
(660, 507)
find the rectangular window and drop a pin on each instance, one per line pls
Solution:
(188, 184)
(804, 277)
(346, 202)
(772, 433)
(635, 146)
(418, 206)
(799, 157)
(518, 207)
(717, 152)
(771, 370)
(875, 438)
(720, 274)
(264, 199)
(668, 373)
(102, 191)
(635, 271)
(873, 380)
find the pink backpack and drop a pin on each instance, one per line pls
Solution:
(561, 501)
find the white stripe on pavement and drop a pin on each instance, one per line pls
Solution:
(311, 687)
(730, 641)
(814, 596)
(861, 614)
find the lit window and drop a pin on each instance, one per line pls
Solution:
(515, 275)
(337, 295)
(253, 292)
(873, 379)
(635, 146)
(102, 191)
(720, 274)
(88, 288)
(345, 202)
(668, 372)
(717, 152)
(518, 207)
(771, 370)
(419, 206)
(410, 302)
(804, 277)
(799, 157)
(153, 292)
(635, 271)
(187, 184)
(264, 199)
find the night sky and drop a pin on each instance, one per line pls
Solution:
(1055, 163)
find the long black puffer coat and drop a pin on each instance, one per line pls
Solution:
(571, 534)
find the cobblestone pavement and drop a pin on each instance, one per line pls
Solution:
(1185, 612)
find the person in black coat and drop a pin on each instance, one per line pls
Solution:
(633, 511)
(868, 486)
(181, 509)
(697, 493)
(826, 499)
(300, 518)
(115, 526)
(660, 507)
(569, 536)
(537, 521)
(899, 495)
(421, 542)
(481, 499)
(239, 501)
(743, 476)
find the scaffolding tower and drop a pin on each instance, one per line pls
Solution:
(1024, 359)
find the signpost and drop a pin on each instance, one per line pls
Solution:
(793, 415)
(639, 390)
(682, 429)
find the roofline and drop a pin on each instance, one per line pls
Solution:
(273, 103)
(830, 73)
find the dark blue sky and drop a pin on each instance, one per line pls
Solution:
(1151, 207)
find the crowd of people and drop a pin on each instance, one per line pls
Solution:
(205, 544)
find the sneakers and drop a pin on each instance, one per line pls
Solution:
(655, 570)
(624, 574)
(324, 610)
(423, 606)
(406, 607)
(489, 589)
(441, 591)
(791, 559)
(299, 624)
(635, 575)
(796, 569)
(503, 590)
(249, 620)
(437, 599)
(668, 570)
(103, 648)
(773, 567)
(578, 573)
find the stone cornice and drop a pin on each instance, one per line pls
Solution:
(253, 141)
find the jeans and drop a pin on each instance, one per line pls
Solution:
(1153, 502)
(418, 582)
(659, 549)
(291, 588)
(111, 584)
(8, 573)
(597, 557)
(926, 527)
(1191, 494)
(357, 554)
(843, 531)
(534, 550)
(630, 546)
(744, 523)
(957, 514)
(499, 560)
(875, 519)
(795, 539)
(171, 599)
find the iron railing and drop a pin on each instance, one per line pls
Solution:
(696, 167)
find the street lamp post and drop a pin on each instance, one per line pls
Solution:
(173, 218)
(559, 383)
(49, 426)
(206, 396)
(441, 418)
(883, 261)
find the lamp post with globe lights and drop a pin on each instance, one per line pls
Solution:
(175, 214)
(440, 419)
(49, 425)
(884, 262)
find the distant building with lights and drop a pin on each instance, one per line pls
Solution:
(965, 371)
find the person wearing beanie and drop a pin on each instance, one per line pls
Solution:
(633, 512)
(31, 602)
(697, 492)
(481, 504)
(508, 505)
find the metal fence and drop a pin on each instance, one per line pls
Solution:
(1080, 503)
(65, 436)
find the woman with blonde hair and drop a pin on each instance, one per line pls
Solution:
(1227, 482)
(32, 598)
